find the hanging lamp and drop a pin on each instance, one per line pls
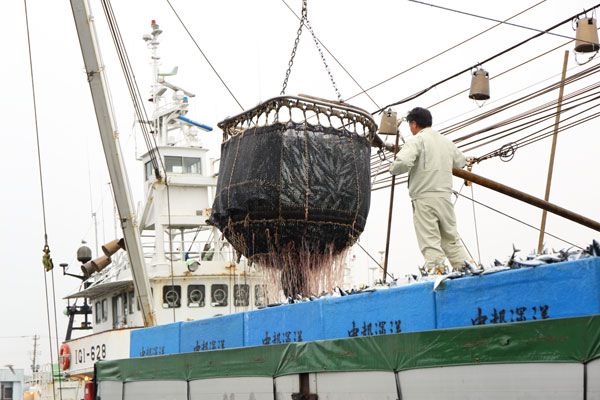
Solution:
(586, 36)
(480, 85)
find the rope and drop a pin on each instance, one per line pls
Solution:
(204, 55)
(46, 259)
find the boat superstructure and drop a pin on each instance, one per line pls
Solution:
(192, 272)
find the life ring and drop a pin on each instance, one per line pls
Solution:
(64, 358)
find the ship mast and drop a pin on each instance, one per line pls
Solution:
(109, 134)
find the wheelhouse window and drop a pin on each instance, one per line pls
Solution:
(171, 296)
(218, 295)
(196, 295)
(6, 391)
(183, 165)
(148, 170)
(131, 301)
(241, 295)
(98, 312)
(192, 165)
(104, 310)
(119, 308)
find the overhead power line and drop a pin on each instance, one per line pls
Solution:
(494, 20)
(423, 91)
(440, 53)
(204, 55)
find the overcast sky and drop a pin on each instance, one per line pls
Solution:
(249, 44)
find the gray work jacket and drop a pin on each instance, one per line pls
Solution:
(428, 157)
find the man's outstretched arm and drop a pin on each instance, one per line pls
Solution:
(406, 158)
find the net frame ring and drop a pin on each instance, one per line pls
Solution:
(586, 35)
(480, 85)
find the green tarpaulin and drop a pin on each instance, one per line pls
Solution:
(553, 340)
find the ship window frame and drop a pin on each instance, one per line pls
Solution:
(219, 286)
(132, 300)
(104, 310)
(195, 304)
(119, 304)
(170, 164)
(166, 289)
(188, 165)
(148, 170)
(260, 290)
(7, 387)
(98, 312)
(184, 165)
(246, 300)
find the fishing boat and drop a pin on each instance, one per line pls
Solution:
(502, 333)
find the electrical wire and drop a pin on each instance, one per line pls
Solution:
(425, 90)
(203, 54)
(494, 20)
(440, 53)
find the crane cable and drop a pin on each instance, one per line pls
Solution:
(46, 259)
(132, 86)
(141, 113)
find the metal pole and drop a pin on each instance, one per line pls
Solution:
(527, 198)
(389, 227)
(109, 134)
(553, 150)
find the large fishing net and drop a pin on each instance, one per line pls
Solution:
(293, 190)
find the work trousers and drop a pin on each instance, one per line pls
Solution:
(435, 226)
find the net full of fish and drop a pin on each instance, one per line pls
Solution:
(293, 190)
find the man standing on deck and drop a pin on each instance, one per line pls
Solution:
(429, 157)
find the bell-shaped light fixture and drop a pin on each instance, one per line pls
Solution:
(480, 85)
(586, 36)
(389, 123)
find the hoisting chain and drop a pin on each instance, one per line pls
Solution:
(337, 92)
(291, 62)
(304, 21)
